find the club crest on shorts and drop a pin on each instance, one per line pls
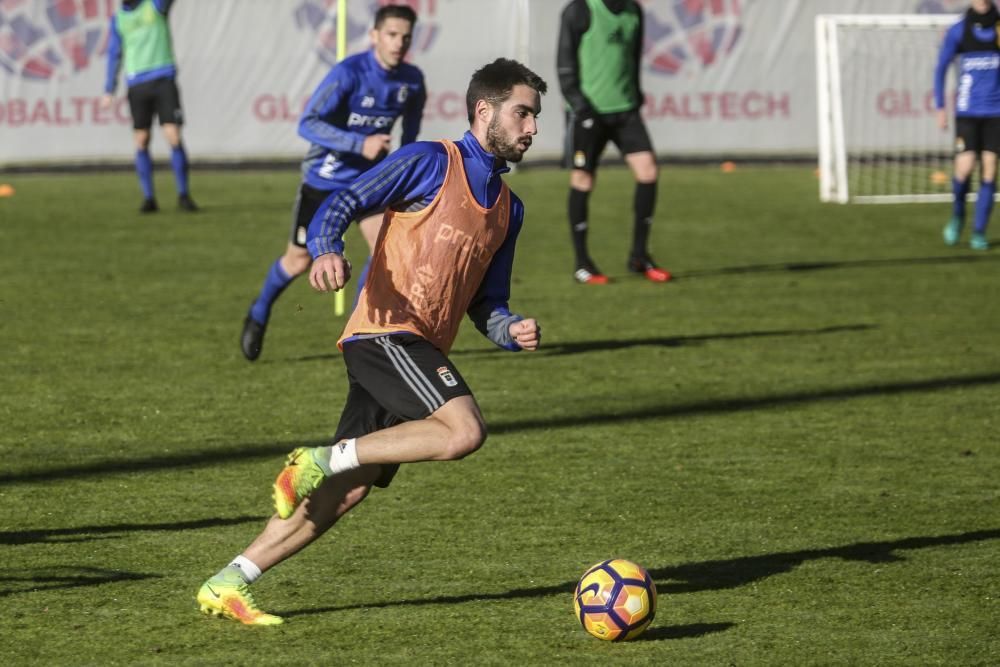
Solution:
(446, 376)
(579, 159)
(959, 145)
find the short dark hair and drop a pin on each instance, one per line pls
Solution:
(494, 83)
(404, 12)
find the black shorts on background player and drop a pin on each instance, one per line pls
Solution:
(589, 135)
(307, 202)
(977, 134)
(160, 97)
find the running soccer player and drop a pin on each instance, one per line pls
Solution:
(347, 121)
(598, 58)
(140, 35)
(446, 249)
(975, 42)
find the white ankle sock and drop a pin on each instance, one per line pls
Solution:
(344, 456)
(247, 568)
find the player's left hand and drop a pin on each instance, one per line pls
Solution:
(526, 333)
(330, 272)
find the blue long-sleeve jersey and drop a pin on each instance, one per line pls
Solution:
(978, 68)
(115, 52)
(409, 180)
(356, 99)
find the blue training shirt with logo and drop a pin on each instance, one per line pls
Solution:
(978, 71)
(356, 99)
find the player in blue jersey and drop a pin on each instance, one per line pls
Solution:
(347, 122)
(140, 37)
(446, 249)
(975, 43)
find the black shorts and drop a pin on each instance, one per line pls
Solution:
(586, 138)
(977, 134)
(307, 202)
(159, 97)
(393, 379)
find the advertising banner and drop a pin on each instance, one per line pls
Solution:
(721, 77)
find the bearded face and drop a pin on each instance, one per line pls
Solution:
(504, 144)
(512, 123)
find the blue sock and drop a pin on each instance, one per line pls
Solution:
(274, 284)
(144, 169)
(984, 205)
(362, 278)
(959, 190)
(179, 161)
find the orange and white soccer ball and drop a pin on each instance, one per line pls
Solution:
(615, 600)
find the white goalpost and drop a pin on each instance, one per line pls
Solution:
(879, 141)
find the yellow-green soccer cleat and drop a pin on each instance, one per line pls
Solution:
(301, 476)
(218, 597)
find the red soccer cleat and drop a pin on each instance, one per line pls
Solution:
(648, 268)
(586, 277)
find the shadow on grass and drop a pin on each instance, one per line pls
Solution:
(691, 630)
(735, 572)
(115, 531)
(735, 405)
(681, 341)
(800, 267)
(251, 451)
(57, 578)
(618, 343)
(703, 576)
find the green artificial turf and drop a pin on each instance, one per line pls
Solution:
(797, 437)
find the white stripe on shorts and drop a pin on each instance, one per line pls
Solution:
(411, 374)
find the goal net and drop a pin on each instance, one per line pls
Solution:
(879, 141)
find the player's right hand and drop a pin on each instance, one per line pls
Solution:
(329, 272)
(526, 333)
(376, 146)
(942, 119)
(106, 100)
